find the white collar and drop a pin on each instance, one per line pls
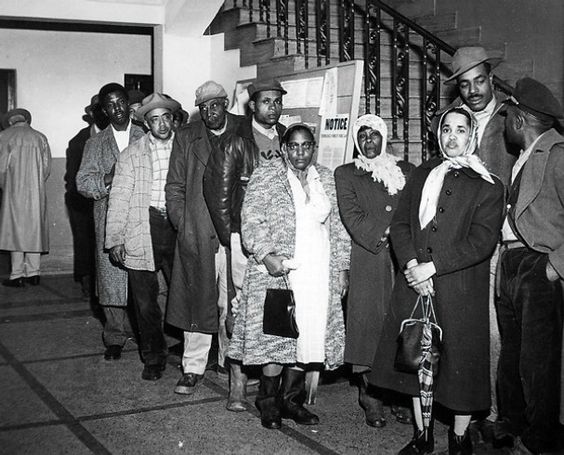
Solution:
(122, 132)
(270, 133)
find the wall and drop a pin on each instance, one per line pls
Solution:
(57, 73)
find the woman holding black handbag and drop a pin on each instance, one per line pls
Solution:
(443, 233)
(290, 226)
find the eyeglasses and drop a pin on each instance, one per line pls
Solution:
(294, 146)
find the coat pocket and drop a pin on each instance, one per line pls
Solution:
(134, 241)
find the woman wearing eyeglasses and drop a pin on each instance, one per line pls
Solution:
(368, 191)
(290, 225)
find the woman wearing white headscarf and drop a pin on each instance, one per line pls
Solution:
(368, 191)
(443, 234)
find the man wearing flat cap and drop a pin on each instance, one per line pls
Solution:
(25, 163)
(254, 143)
(138, 232)
(198, 288)
(532, 272)
(94, 181)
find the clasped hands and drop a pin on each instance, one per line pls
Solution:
(274, 263)
(418, 276)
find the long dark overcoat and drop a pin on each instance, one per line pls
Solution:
(366, 210)
(192, 298)
(460, 241)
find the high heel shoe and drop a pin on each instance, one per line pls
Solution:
(459, 445)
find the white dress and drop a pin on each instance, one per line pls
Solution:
(310, 281)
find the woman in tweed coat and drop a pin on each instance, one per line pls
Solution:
(271, 227)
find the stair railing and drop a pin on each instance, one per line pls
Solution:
(377, 21)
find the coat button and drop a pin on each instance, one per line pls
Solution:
(388, 208)
(456, 173)
(441, 210)
(434, 229)
(429, 250)
(448, 192)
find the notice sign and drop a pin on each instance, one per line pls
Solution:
(333, 133)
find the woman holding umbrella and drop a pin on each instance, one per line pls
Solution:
(443, 233)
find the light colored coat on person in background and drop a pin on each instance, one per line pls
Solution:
(25, 164)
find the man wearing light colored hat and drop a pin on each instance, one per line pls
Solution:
(198, 289)
(138, 232)
(25, 163)
(530, 309)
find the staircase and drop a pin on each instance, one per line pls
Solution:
(404, 60)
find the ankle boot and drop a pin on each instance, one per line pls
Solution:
(373, 407)
(422, 442)
(267, 402)
(459, 445)
(237, 389)
(292, 397)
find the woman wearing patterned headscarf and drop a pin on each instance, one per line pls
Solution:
(443, 234)
(368, 191)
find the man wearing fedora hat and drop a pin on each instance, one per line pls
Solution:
(138, 232)
(94, 181)
(198, 288)
(256, 141)
(530, 308)
(25, 163)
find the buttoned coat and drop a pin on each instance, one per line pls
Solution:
(100, 155)
(460, 241)
(366, 210)
(128, 208)
(498, 156)
(25, 164)
(192, 299)
(269, 226)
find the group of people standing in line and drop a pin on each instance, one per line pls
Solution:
(229, 206)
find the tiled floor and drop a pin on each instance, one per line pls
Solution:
(59, 396)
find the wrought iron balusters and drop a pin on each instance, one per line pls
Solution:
(322, 28)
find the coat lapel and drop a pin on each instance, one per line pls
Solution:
(201, 145)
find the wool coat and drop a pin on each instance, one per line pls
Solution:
(460, 241)
(193, 294)
(268, 225)
(128, 208)
(25, 164)
(366, 210)
(100, 154)
(498, 156)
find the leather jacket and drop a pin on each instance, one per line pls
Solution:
(226, 178)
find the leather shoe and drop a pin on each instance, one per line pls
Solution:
(15, 283)
(152, 372)
(186, 385)
(113, 352)
(420, 444)
(33, 280)
(402, 414)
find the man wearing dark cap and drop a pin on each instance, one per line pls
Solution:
(532, 272)
(80, 209)
(256, 141)
(198, 288)
(138, 232)
(25, 163)
(135, 99)
(94, 181)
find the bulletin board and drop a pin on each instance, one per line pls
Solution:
(327, 99)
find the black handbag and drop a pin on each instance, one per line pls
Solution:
(409, 352)
(279, 316)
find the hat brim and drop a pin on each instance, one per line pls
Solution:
(169, 104)
(18, 111)
(493, 61)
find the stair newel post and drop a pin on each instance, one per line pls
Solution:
(394, 79)
(346, 30)
(372, 56)
(266, 6)
(405, 92)
(282, 22)
(423, 100)
(322, 15)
